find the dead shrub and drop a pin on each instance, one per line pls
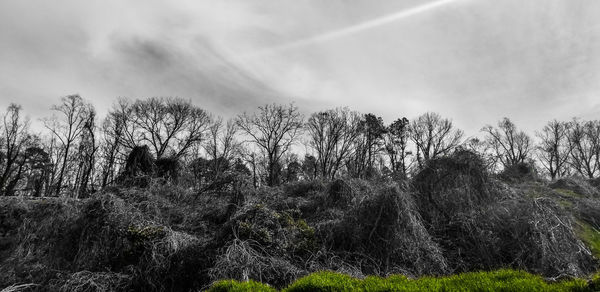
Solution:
(245, 259)
(340, 194)
(19, 287)
(577, 185)
(588, 210)
(282, 233)
(387, 228)
(304, 187)
(450, 185)
(86, 281)
(534, 234)
(56, 238)
(518, 173)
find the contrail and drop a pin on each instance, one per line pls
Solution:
(358, 27)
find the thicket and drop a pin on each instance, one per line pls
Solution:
(451, 217)
(164, 197)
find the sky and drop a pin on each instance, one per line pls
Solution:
(474, 61)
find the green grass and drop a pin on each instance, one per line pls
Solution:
(501, 280)
(235, 286)
(569, 193)
(590, 236)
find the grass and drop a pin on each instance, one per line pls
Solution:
(500, 280)
(569, 193)
(235, 286)
(591, 237)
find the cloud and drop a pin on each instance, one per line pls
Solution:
(473, 61)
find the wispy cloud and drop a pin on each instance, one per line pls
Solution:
(475, 61)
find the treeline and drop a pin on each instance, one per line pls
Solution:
(173, 141)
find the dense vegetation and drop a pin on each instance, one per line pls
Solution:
(165, 197)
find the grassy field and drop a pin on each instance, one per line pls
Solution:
(500, 280)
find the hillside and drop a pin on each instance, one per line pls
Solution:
(451, 217)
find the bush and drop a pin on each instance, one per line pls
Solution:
(520, 172)
(387, 228)
(265, 245)
(304, 188)
(244, 260)
(340, 194)
(528, 233)
(450, 185)
(577, 185)
(69, 243)
(139, 168)
(588, 210)
(96, 282)
(168, 168)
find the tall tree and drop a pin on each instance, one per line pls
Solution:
(112, 136)
(15, 138)
(38, 167)
(553, 148)
(67, 127)
(87, 154)
(169, 124)
(332, 134)
(509, 145)
(366, 146)
(373, 130)
(274, 128)
(433, 136)
(396, 143)
(221, 144)
(584, 143)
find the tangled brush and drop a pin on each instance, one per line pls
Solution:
(387, 228)
(244, 259)
(450, 185)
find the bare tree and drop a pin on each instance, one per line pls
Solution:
(433, 136)
(221, 144)
(112, 132)
(274, 128)
(15, 138)
(482, 149)
(169, 124)
(553, 148)
(67, 128)
(122, 119)
(509, 146)
(87, 154)
(332, 134)
(584, 143)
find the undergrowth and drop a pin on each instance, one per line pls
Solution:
(453, 217)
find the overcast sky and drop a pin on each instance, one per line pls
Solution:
(474, 61)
